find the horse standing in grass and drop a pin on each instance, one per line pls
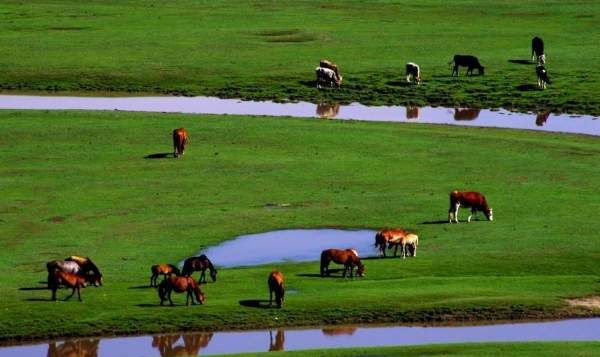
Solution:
(87, 266)
(180, 284)
(73, 268)
(180, 138)
(276, 286)
(164, 269)
(410, 240)
(201, 263)
(70, 280)
(385, 235)
(348, 257)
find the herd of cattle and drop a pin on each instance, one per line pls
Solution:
(76, 272)
(328, 73)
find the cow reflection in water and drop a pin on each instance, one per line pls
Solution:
(328, 110)
(336, 331)
(85, 347)
(541, 118)
(192, 344)
(413, 112)
(466, 113)
(277, 343)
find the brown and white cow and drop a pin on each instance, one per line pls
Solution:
(468, 199)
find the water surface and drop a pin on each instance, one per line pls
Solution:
(208, 343)
(545, 121)
(297, 245)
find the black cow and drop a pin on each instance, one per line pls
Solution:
(470, 62)
(537, 50)
(542, 76)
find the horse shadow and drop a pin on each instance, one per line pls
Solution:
(39, 299)
(520, 61)
(337, 272)
(161, 155)
(400, 83)
(527, 87)
(435, 222)
(141, 287)
(257, 304)
(311, 84)
(155, 305)
(34, 288)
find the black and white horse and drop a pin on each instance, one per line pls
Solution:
(542, 76)
(413, 70)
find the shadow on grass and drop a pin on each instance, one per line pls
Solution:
(162, 155)
(311, 84)
(258, 304)
(435, 222)
(527, 87)
(155, 305)
(400, 83)
(520, 61)
(40, 299)
(34, 288)
(141, 287)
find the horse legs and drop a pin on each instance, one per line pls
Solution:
(271, 295)
(153, 279)
(473, 212)
(202, 276)
(78, 293)
(54, 287)
(73, 293)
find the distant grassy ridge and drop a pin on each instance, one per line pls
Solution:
(77, 183)
(269, 50)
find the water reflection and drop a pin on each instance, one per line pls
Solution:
(413, 112)
(328, 110)
(84, 347)
(541, 118)
(466, 113)
(336, 331)
(277, 343)
(192, 344)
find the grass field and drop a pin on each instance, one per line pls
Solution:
(269, 49)
(78, 183)
(473, 350)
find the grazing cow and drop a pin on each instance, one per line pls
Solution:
(180, 138)
(410, 240)
(413, 70)
(542, 76)
(164, 269)
(466, 113)
(328, 64)
(475, 200)
(276, 286)
(384, 236)
(471, 62)
(326, 76)
(537, 50)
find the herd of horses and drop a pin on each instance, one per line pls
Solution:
(76, 272)
(328, 73)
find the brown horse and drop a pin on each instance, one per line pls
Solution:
(384, 236)
(192, 344)
(200, 263)
(164, 269)
(87, 266)
(70, 280)
(348, 257)
(276, 286)
(80, 347)
(180, 284)
(180, 138)
(278, 343)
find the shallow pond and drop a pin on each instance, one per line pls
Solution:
(546, 121)
(290, 339)
(296, 245)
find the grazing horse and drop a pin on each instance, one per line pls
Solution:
(192, 344)
(413, 70)
(327, 77)
(537, 50)
(276, 286)
(409, 240)
(348, 257)
(180, 138)
(70, 280)
(180, 284)
(385, 235)
(87, 266)
(164, 269)
(334, 67)
(471, 62)
(475, 200)
(73, 268)
(200, 263)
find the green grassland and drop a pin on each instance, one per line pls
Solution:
(575, 349)
(269, 49)
(77, 183)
